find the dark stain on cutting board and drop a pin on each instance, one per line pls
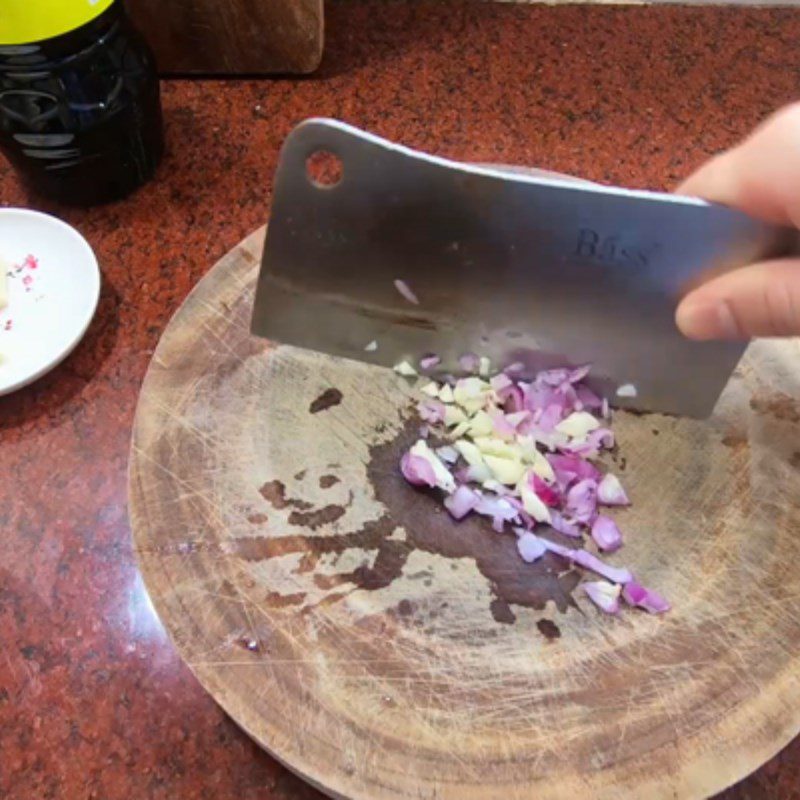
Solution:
(328, 399)
(780, 406)
(549, 629)
(428, 528)
(316, 519)
(274, 492)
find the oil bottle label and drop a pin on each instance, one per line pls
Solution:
(27, 21)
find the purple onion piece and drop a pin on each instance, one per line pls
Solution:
(417, 471)
(636, 595)
(461, 502)
(530, 547)
(606, 534)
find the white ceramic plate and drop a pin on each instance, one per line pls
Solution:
(53, 289)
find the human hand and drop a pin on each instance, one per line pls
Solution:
(760, 176)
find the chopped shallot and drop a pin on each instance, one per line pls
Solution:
(500, 382)
(581, 502)
(530, 547)
(546, 493)
(520, 453)
(588, 561)
(606, 534)
(461, 502)
(569, 468)
(430, 361)
(636, 595)
(499, 509)
(562, 525)
(417, 470)
(372, 346)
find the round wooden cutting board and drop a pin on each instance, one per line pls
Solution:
(382, 651)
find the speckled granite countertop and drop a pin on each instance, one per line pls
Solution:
(94, 702)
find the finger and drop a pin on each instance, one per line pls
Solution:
(759, 300)
(761, 175)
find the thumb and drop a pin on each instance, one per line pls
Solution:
(760, 176)
(759, 300)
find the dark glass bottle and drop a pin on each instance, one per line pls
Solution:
(80, 112)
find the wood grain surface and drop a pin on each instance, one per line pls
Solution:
(232, 37)
(382, 651)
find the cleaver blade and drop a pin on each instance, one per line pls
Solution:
(504, 263)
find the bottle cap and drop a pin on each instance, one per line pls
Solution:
(28, 21)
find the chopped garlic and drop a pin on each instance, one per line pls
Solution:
(460, 429)
(372, 346)
(469, 452)
(541, 466)
(480, 473)
(471, 394)
(405, 369)
(489, 445)
(481, 425)
(530, 455)
(531, 502)
(578, 424)
(430, 389)
(627, 390)
(484, 367)
(468, 388)
(505, 470)
(446, 393)
(454, 416)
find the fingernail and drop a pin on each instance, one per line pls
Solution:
(707, 319)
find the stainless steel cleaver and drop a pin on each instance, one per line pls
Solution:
(514, 266)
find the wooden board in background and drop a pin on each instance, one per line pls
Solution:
(384, 652)
(232, 37)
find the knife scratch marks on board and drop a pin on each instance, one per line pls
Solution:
(184, 422)
(211, 505)
(238, 359)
